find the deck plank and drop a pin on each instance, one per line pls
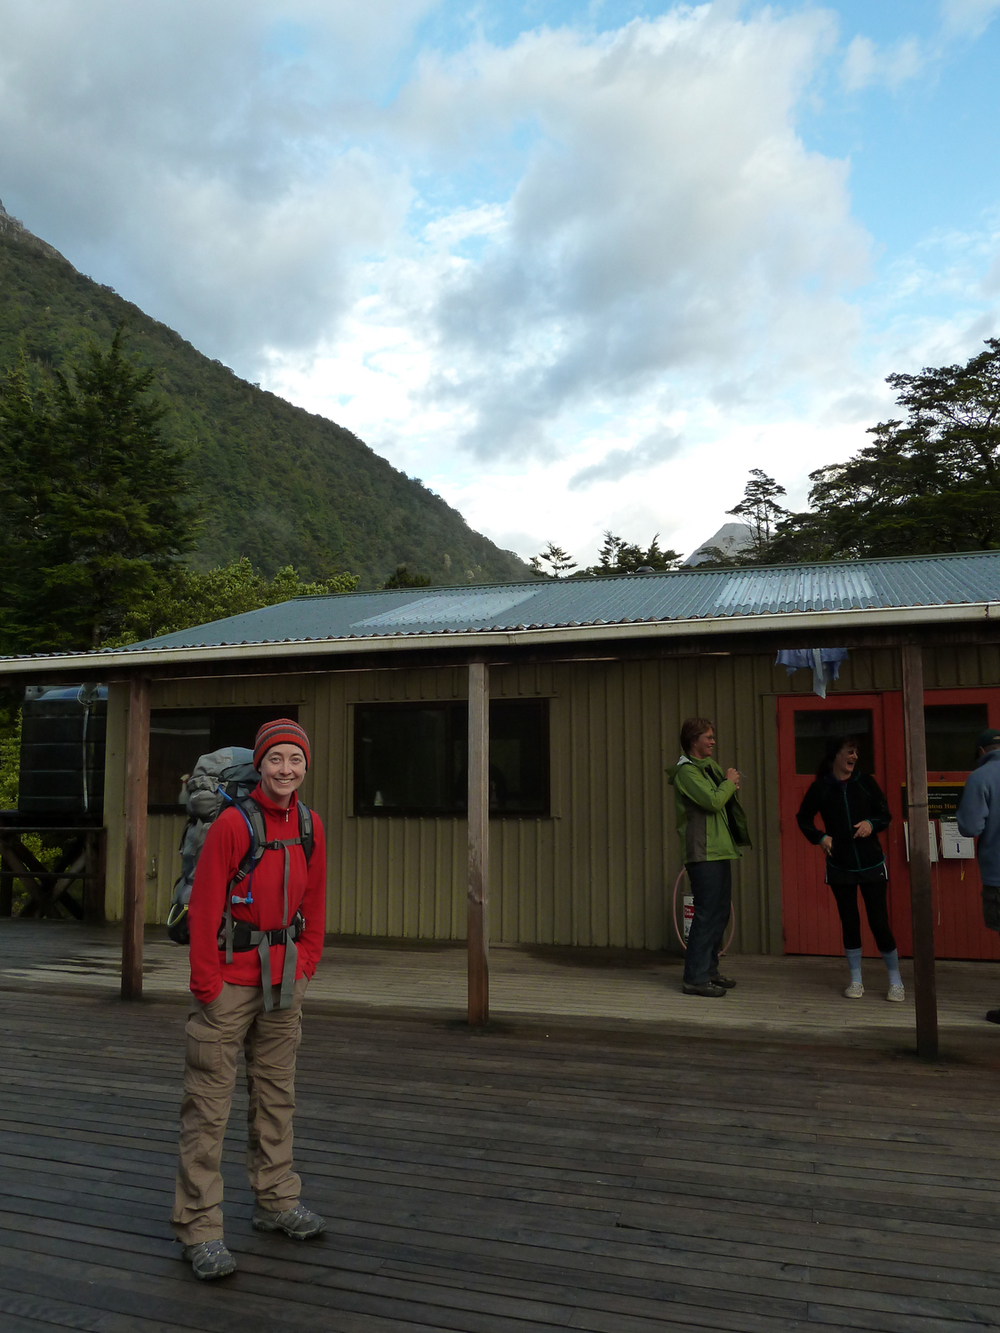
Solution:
(507, 1181)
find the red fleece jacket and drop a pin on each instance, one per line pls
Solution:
(225, 846)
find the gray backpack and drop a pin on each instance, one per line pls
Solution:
(224, 776)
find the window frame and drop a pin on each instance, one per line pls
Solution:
(455, 708)
(213, 716)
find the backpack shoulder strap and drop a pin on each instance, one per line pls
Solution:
(306, 830)
(254, 818)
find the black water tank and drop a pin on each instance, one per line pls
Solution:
(63, 734)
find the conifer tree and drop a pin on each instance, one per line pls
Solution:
(559, 562)
(760, 511)
(94, 505)
(617, 556)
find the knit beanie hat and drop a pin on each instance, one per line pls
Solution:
(282, 731)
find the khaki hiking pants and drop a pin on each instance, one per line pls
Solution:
(215, 1033)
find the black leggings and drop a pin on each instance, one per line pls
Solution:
(875, 909)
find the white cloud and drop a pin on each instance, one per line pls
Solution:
(968, 18)
(656, 448)
(199, 158)
(668, 222)
(865, 64)
(552, 278)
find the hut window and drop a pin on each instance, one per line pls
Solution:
(951, 731)
(177, 737)
(410, 759)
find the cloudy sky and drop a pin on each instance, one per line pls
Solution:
(577, 264)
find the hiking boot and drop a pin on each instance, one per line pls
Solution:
(855, 990)
(717, 979)
(297, 1221)
(209, 1260)
(707, 988)
(897, 993)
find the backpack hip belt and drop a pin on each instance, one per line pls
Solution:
(246, 938)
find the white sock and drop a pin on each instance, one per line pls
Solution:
(854, 963)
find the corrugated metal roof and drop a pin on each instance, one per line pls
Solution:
(918, 581)
(563, 605)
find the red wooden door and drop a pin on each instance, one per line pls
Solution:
(952, 719)
(811, 923)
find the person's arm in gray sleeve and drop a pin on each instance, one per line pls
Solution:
(973, 809)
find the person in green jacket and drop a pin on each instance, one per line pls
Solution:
(712, 828)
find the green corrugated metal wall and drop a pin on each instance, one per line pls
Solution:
(601, 869)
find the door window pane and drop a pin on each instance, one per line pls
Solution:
(951, 731)
(814, 728)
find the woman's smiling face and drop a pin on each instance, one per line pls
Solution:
(843, 764)
(282, 771)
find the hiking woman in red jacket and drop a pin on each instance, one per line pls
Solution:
(250, 966)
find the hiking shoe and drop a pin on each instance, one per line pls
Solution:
(855, 991)
(297, 1221)
(993, 1015)
(717, 979)
(897, 993)
(209, 1260)
(707, 988)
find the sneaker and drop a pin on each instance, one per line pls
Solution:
(717, 979)
(209, 1260)
(897, 993)
(855, 991)
(297, 1221)
(707, 988)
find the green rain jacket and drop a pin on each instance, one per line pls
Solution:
(710, 820)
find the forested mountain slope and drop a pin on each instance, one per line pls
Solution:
(279, 484)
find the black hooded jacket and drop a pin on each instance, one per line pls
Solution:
(841, 805)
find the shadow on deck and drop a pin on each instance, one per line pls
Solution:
(792, 998)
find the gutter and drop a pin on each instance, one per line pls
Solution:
(477, 641)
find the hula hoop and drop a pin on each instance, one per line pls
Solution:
(731, 929)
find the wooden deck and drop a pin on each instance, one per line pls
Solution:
(793, 998)
(539, 1175)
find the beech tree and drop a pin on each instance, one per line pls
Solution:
(402, 578)
(94, 505)
(182, 598)
(928, 482)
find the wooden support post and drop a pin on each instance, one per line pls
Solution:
(479, 844)
(136, 788)
(921, 898)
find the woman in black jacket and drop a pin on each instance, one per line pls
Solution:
(854, 812)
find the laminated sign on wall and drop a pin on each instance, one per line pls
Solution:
(930, 835)
(953, 846)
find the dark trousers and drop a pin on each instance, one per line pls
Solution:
(991, 906)
(876, 909)
(712, 890)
